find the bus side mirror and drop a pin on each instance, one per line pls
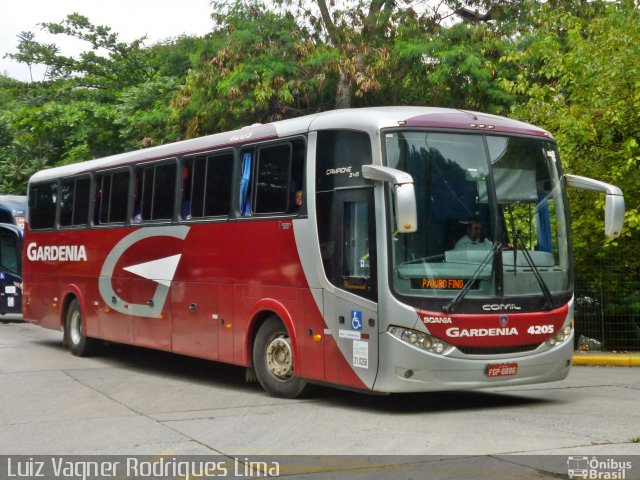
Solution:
(614, 201)
(403, 192)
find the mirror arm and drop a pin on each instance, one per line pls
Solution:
(614, 201)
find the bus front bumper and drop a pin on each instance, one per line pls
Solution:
(404, 368)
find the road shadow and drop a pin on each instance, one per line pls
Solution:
(423, 402)
(176, 366)
(222, 375)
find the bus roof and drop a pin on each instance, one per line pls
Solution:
(369, 119)
(17, 204)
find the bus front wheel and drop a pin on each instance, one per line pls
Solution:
(79, 344)
(273, 360)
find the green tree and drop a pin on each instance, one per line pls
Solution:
(113, 97)
(261, 67)
(578, 76)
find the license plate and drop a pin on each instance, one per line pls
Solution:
(502, 370)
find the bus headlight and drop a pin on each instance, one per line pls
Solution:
(560, 336)
(421, 340)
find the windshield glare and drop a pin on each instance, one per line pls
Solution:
(461, 216)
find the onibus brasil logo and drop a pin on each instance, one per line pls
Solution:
(597, 468)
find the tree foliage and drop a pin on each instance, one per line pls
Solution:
(578, 76)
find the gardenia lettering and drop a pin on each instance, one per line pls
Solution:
(481, 332)
(59, 253)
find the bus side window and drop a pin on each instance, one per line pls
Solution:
(157, 192)
(273, 177)
(296, 189)
(74, 202)
(42, 205)
(112, 197)
(217, 195)
(9, 253)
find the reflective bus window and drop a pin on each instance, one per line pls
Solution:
(157, 185)
(272, 186)
(271, 179)
(42, 205)
(206, 190)
(9, 253)
(356, 238)
(112, 197)
(74, 202)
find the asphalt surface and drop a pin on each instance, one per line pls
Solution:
(133, 401)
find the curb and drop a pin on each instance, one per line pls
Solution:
(605, 360)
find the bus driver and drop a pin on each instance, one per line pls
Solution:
(473, 239)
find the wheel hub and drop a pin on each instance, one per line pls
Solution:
(280, 357)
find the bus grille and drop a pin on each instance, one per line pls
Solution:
(497, 350)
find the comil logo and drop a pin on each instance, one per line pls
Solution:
(497, 307)
(598, 468)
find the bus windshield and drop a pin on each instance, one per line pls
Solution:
(491, 216)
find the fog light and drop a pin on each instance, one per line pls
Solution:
(552, 341)
(560, 336)
(438, 347)
(427, 343)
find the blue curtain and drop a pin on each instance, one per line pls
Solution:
(544, 225)
(245, 182)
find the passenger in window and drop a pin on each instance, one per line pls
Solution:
(474, 239)
(297, 201)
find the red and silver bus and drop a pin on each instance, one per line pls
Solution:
(396, 249)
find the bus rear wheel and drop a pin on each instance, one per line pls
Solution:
(79, 344)
(273, 360)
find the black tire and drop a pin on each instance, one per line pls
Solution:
(79, 345)
(273, 361)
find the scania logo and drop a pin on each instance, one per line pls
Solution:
(503, 320)
(426, 320)
(495, 307)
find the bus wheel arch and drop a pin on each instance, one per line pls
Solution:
(274, 358)
(74, 329)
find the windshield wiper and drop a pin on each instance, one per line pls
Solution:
(548, 299)
(450, 307)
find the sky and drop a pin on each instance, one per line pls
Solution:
(131, 19)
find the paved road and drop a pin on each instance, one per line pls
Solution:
(139, 402)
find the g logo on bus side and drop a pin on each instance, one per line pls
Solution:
(166, 265)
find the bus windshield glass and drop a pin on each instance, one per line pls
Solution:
(486, 205)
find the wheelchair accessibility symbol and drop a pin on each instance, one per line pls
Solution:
(356, 320)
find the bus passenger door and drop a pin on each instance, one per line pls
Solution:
(347, 241)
